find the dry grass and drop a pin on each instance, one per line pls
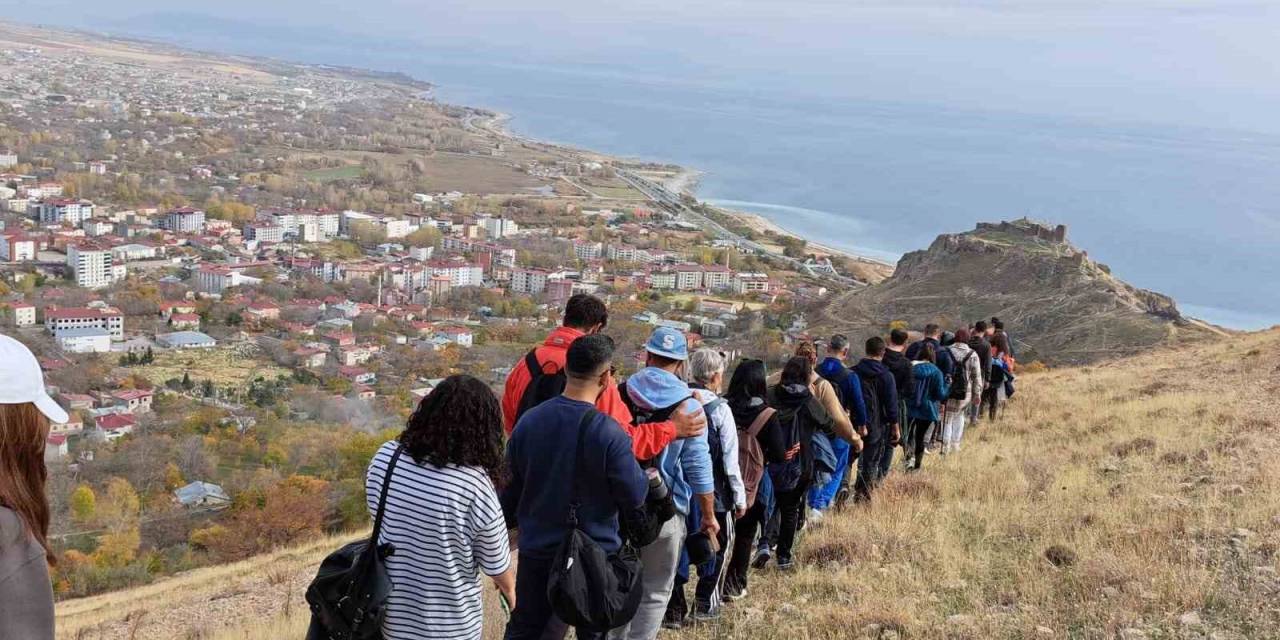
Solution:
(220, 364)
(1101, 506)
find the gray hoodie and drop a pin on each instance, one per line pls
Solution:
(26, 595)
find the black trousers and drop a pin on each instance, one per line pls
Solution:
(790, 504)
(920, 437)
(744, 544)
(533, 618)
(991, 398)
(869, 466)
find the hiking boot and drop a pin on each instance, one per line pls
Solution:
(673, 620)
(704, 612)
(842, 499)
(786, 565)
(762, 558)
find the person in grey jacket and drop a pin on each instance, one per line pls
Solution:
(958, 407)
(26, 597)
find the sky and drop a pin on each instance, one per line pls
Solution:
(1184, 62)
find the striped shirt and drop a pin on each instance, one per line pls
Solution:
(446, 526)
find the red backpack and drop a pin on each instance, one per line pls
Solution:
(751, 456)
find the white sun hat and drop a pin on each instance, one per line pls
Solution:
(21, 380)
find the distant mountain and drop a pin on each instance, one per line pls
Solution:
(1059, 305)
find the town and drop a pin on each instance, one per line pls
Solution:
(238, 274)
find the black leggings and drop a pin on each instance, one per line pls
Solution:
(790, 504)
(744, 542)
(919, 437)
(991, 397)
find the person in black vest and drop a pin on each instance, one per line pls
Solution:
(978, 342)
(904, 381)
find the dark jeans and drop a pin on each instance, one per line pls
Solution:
(869, 466)
(920, 430)
(735, 579)
(533, 618)
(790, 504)
(991, 399)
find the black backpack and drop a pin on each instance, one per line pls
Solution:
(588, 588)
(349, 593)
(960, 378)
(543, 386)
(723, 490)
(870, 398)
(786, 475)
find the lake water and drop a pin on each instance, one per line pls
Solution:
(1194, 213)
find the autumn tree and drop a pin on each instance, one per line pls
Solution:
(84, 504)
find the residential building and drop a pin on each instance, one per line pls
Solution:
(202, 495)
(113, 426)
(95, 227)
(184, 321)
(688, 277)
(263, 232)
(461, 274)
(16, 247)
(214, 278)
(263, 310)
(62, 210)
(8, 159)
(24, 314)
(457, 335)
(55, 448)
(84, 340)
(588, 250)
(93, 267)
(528, 281)
(559, 290)
(132, 400)
(186, 340)
(183, 220)
(498, 228)
(109, 319)
(133, 251)
(716, 277)
(662, 280)
(744, 283)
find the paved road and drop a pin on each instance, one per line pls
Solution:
(673, 203)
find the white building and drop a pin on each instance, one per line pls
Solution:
(95, 227)
(529, 281)
(688, 277)
(750, 283)
(662, 280)
(183, 220)
(15, 247)
(715, 276)
(8, 159)
(24, 315)
(588, 250)
(109, 319)
(395, 227)
(92, 267)
(84, 340)
(62, 210)
(460, 274)
(133, 251)
(497, 228)
(265, 232)
(214, 278)
(186, 340)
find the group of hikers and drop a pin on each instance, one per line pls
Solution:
(678, 473)
(620, 494)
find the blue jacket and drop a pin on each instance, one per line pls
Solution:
(685, 464)
(945, 362)
(850, 390)
(540, 454)
(887, 388)
(931, 388)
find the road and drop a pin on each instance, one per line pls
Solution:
(672, 202)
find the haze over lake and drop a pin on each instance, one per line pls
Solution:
(1148, 128)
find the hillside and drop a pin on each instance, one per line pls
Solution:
(1061, 306)
(1132, 499)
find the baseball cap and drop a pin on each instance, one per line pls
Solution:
(668, 343)
(22, 381)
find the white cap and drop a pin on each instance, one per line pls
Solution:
(22, 381)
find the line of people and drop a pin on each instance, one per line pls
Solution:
(697, 479)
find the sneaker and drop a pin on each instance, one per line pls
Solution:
(706, 613)
(762, 558)
(815, 517)
(731, 594)
(672, 620)
(786, 565)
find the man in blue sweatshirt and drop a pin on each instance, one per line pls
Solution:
(544, 471)
(850, 390)
(685, 466)
(883, 430)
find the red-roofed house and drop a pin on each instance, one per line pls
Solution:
(133, 400)
(55, 447)
(110, 319)
(357, 374)
(180, 321)
(263, 310)
(113, 426)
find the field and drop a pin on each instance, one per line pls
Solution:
(442, 171)
(349, 172)
(1133, 499)
(221, 364)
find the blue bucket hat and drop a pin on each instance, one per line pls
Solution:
(668, 343)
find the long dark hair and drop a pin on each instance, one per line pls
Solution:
(750, 380)
(23, 430)
(459, 422)
(797, 371)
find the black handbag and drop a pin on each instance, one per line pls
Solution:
(349, 593)
(588, 588)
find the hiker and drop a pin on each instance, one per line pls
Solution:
(760, 443)
(586, 315)
(544, 469)
(978, 342)
(442, 514)
(1001, 376)
(832, 401)
(997, 329)
(801, 415)
(897, 362)
(967, 383)
(26, 598)
(685, 467)
(922, 404)
(846, 384)
(933, 335)
(880, 392)
(706, 367)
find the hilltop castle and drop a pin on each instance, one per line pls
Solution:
(1029, 228)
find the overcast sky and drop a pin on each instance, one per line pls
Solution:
(1186, 61)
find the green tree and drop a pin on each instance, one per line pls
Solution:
(84, 504)
(423, 237)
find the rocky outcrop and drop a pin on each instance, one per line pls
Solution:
(1060, 305)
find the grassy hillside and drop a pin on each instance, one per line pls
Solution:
(1133, 499)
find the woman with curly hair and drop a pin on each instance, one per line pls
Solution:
(442, 513)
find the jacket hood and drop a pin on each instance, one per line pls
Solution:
(961, 348)
(871, 367)
(790, 395)
(654, 388)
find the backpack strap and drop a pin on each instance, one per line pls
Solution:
(531, 361)
(762, 419)
(575, 493)
(382, 495)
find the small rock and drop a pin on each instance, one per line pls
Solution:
(789, 609)
(1044, 632)
(1110, 592)
(871, 630)
(1133, 634)
(1110, 466)
(1060, 556)
(959, 620)
(1189, 619)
